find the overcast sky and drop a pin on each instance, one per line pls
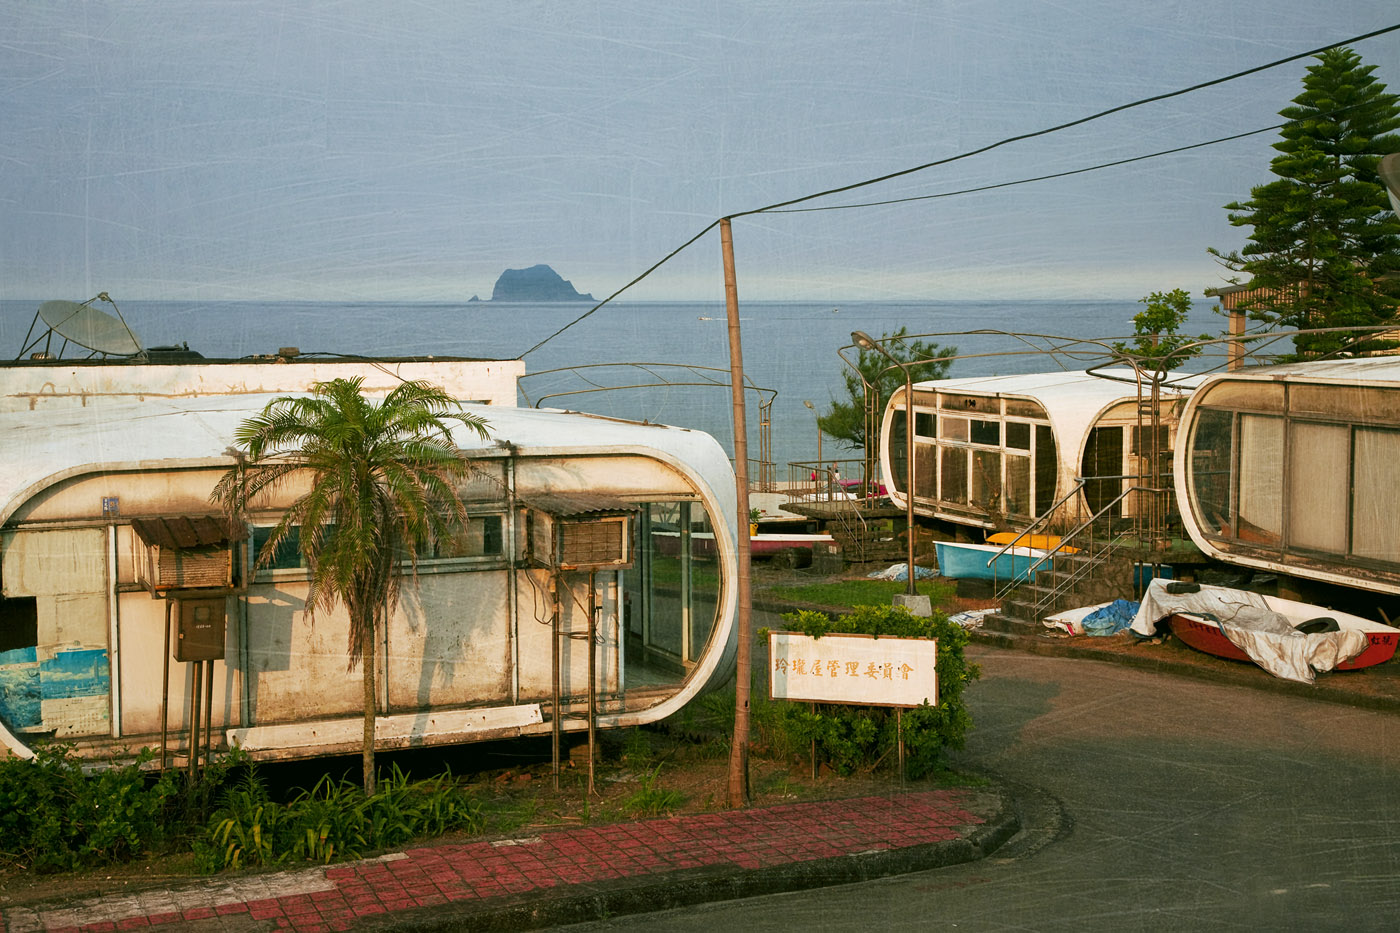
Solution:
(376, 149)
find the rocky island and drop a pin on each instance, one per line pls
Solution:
(537, 283)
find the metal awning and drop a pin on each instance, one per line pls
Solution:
(183, 532)
(567, 505)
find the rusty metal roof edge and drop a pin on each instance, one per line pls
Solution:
(579, 503)
(203, 530)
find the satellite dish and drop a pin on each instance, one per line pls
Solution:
(1389, 170)
(82, 324)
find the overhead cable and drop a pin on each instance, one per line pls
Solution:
(777, 207)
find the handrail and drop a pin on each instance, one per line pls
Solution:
(1066, 539)
(1088, 522)
(1044, 517)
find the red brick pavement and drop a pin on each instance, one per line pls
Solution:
(335, 898)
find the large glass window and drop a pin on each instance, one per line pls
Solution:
(1292, 484)
(1212, 455)
(1260, 519)
(672, 592)
(1375, 522)
(953, 474)
(1317, 486)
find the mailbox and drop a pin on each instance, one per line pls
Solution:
(200, 629)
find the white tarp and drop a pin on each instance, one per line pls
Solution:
(1267, 636)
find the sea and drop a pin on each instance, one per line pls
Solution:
(667, 362)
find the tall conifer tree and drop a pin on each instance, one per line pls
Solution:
(1324, 250)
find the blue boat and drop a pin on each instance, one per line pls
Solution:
(962, 561)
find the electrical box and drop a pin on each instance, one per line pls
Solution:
(200, 629)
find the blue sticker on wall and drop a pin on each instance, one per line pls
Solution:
(69, 674)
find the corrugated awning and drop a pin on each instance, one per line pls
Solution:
(186, 531)
(568, 504)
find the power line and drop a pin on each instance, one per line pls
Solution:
(777, 207)
(1073, 123)
(1027, 181)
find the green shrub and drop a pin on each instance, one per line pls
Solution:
(853, 738)
(56, 816)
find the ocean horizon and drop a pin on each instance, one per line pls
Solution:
(658, 349)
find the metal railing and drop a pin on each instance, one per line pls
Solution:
(1082, 540)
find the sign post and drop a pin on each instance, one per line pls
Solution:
(854, 669)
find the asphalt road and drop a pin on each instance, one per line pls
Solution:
(1153, 803)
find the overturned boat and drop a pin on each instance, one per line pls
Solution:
(1290, 639)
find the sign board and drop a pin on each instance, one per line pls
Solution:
(857, 669)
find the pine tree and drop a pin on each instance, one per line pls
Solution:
(1324, 250)
(845, 420)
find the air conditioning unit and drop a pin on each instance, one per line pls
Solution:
(593, 543)
(184, 553)
(186, 569)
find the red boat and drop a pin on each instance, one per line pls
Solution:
(1206, 636)
(1199, 616)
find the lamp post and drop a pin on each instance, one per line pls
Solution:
(919, 605)
(815, 492)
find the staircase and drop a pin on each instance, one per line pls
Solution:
(1092, 564)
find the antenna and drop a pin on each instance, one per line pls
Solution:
(80, 324)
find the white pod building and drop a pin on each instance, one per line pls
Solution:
(119, 580)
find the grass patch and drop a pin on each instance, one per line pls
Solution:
(850, 593)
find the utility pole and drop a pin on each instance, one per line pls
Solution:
(739, 748)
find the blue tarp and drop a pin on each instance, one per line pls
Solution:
(1111, 619)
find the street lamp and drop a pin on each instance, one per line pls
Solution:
(917, 604)
(815, 492)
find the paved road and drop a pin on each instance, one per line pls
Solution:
(1155, 803)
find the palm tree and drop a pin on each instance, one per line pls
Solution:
(382, 485)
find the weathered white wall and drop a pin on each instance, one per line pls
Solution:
(65, 570)
(33, 388)
(449, 641)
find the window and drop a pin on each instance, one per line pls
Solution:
(1317, 487)
(481, 536)
(1375, 530)
(954, 429)
(19, 623)
(1260, 519)
(1047, 468)
(1211, 457)
(986, 432)
(953, 483)
(288, 554)
(925, 425)
(1018, 435)
(1288, 484)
